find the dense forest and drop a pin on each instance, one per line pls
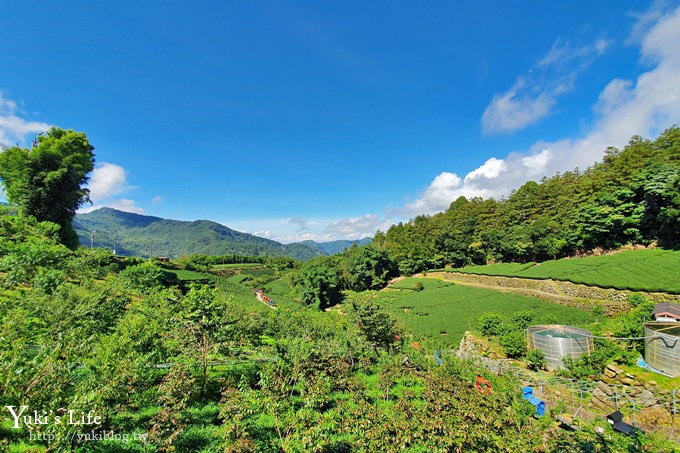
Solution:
(631, 197)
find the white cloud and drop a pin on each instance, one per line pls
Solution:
(625, 108)
(157, 199)
(534, 94)
(13, 128)
(263, 234)
(357, 227)
(287, 230)
(125, 204)
(491, 169)
(647, 19)
(515, 110)
(122, 204)
(107, 180)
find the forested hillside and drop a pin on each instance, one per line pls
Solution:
(141, 235)
(631, 197)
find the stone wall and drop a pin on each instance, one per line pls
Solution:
(580, 296)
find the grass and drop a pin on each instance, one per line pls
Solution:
(637, 270)
(443, 312)
(185, 275)
(237, 266)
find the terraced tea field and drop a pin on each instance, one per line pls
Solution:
(637, 270)
(444, 311)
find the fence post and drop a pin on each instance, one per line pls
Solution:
(616, 397)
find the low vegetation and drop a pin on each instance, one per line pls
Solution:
(636, 270)
(443, 311)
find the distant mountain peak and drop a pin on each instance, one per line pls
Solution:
(141, 235)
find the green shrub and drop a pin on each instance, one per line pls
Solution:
(47, 280)
(418, 286)
(636, 299)
(491, 324)
(536, 360)
(514, 344)
(550, 319)
(591, 366)
(597, 310)
(145, 275)
(522, 319)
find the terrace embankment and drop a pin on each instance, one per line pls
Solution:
(576, 295)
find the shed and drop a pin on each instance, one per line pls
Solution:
(666, 312)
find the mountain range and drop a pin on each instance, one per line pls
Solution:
(132, 234)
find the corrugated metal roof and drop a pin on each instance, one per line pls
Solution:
(668, 309)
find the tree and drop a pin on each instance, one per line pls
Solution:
(367, 268)
(377, 325)
(47, 180)
(317, 284)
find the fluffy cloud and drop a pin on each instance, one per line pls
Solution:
(645, 106)
(107, 181)
(287, 230)
(157, 199)
(14, 128)
(534, 94)
(122, 204)
(357, 227)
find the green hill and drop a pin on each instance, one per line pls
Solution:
(140, 235)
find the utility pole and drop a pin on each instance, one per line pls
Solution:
(150, 248)
(92, 238)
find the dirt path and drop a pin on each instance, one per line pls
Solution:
(259, 297)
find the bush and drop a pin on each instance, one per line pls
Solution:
(550, 319)
(597, 310)
(522, 319)
(514, 344)
(636, 299)
(146, 275)
(491, 324)
(47, 280)
(536, 360)
(418, 286)
(591, 366)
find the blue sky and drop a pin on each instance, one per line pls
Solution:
(328, 120)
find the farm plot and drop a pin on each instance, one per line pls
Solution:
(637, 270)
(443, 311)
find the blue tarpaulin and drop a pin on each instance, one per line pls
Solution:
(528, 394)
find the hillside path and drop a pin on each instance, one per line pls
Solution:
(259, 297)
